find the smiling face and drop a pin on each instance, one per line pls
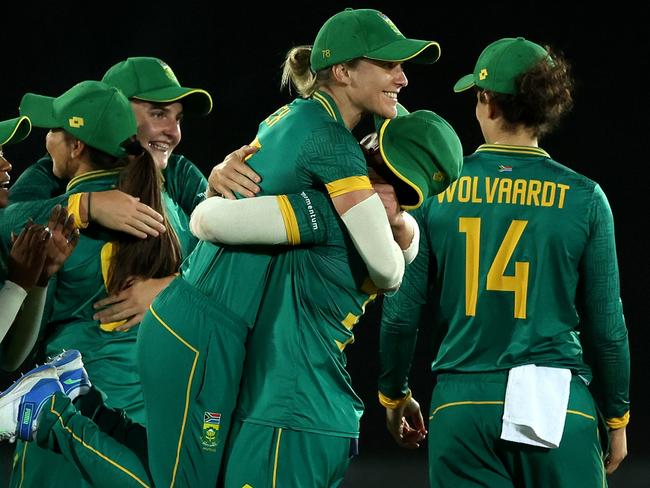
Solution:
(159, 128)
(5, 168)
(375, 85)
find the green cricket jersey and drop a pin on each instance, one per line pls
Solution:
(302, 145)
(521, 259)
(295, 374)
(109, 357)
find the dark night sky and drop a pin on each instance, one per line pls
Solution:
(236, 55)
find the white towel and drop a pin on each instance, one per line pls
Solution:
(535, 406)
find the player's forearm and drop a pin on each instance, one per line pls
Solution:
(368, 227)
(23, 332)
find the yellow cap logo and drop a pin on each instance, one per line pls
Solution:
(76, 122)
(483, 74)
(168, 72)
(390, 24)
(326, 53)
(438, 176)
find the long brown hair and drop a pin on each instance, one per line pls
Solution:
(143, 258)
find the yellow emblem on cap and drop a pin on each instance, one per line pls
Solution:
(168, 72)
(390, 24)
(326, 53)
(483, 74)
(76, 122)
(438, 176)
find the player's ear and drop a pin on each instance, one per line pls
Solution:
(341, 74)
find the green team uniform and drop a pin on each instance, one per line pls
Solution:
(519, 261)
(106, 447)
(200, 322)
(296, 400)
(109, 357)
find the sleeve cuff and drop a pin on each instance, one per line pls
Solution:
(74, 208)
(619, 422)
(394, 404)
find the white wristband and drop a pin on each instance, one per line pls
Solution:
(412, 251)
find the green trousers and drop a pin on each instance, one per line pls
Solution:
(260, 456)
(190, 353)
(465, 449)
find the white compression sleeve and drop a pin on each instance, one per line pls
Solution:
(12, 297)
(247, 221)
(25, 329)
(412, 251)
(369, 229)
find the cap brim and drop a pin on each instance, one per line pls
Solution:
(40, 110)
(425, 52)
(14, 130)
(465, 83)
(408, 187)
(194, 100)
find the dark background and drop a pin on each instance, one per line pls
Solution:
(235, 53)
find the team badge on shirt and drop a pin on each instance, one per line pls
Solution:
(504, 169)
(210, 435)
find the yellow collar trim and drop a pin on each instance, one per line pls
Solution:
(529, 150)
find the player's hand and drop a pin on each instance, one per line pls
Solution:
(64, 239)
(617, 449)
(131, 303)
(370, 147)
(233, 175)
(27, 255)
(406, 424)
(120, 211)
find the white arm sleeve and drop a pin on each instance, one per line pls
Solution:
(247, 221)
(369, 229)
(412, 251)
(26, 324)
(11, 299)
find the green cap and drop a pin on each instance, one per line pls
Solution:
(501, 63)
(152, 80)
(93, 112)
(423, 151)
(14, 130)
(367, 33)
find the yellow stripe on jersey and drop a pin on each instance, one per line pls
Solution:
(90, 175)
(256, 143)
(581, 414)
(617, 423)
(347, 185)
(456, 404)
(534, 151)
(325, 103)
(290, 220)
(107, 252)
(74, 209)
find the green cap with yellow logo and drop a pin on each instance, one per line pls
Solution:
(423, 151)
(367, 33)
(501, 63)
(14, 130)
(93, 112)
(152, 80)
